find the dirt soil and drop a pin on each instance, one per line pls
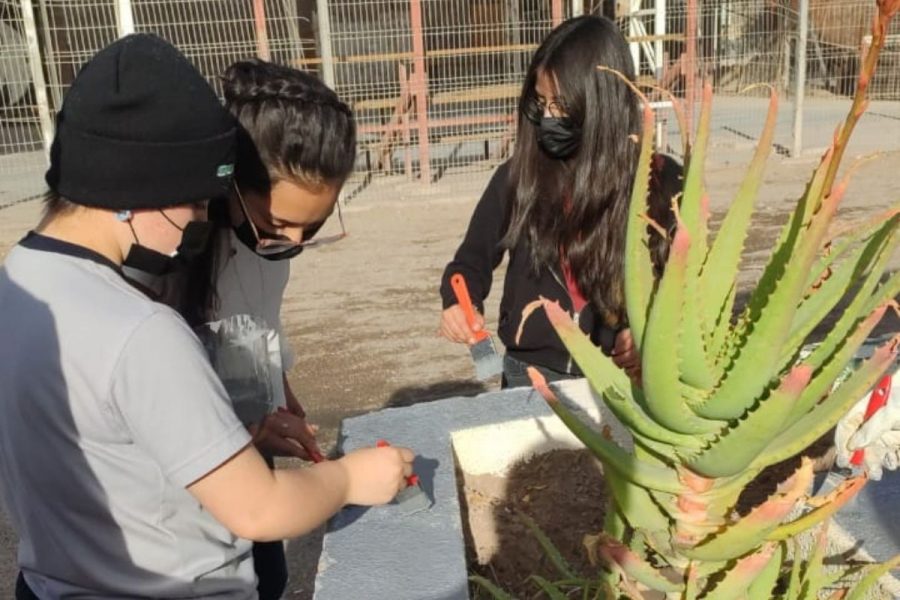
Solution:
(363, 314)
(561, 490)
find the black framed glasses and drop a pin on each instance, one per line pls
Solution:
(269, 246)
(536, 108)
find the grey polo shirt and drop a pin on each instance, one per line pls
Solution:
(108, 410)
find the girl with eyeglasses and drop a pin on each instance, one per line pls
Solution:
(296, 148)
(559, 207)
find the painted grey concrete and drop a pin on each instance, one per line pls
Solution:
(382, 554)
(872, 517)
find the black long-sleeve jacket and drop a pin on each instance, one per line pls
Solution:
(481, 252)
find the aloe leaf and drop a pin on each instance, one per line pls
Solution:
(553, 592)
(636, 420)
(691, 584)
(763, 585)
(694, 209)
(739, 578)
(826, 507)
(860, 590)
(488, 586)
(793, 589)
(815, 423)
(636, 504)
(721, 266)
(638, 267)
(550, 551)
(856, 314)
(749, 532)
(866, 261)
(865, 264)
(834, 364)
(813, 575)
(642, 474)
(748, 378)
(600, 371)
(742, 443)
(617, 554)
(662, 387)
(693, 360)
(835, 252)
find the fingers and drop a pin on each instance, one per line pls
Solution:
(295, 437)
(871, 431)
(873, 466)
(455, 328)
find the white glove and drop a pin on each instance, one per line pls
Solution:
(879, 436)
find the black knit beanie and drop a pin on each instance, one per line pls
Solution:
(141, 128)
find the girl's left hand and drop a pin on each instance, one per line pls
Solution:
(626, 356)
(284, 433)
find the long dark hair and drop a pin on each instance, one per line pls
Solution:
(291, 126)
(579, 206)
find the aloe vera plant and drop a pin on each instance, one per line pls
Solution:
(722, 398)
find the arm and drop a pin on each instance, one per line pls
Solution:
(259, 504)
(477, 257)
(176, 411)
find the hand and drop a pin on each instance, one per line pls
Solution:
(285, 434)
(308, 432)
(626, 356)
(879, 436)
(455, 328)
(376, 475)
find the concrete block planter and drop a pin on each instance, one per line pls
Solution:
(384, 554)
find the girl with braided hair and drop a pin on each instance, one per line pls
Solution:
(296, 148)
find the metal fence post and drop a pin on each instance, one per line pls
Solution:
(262, 31)
(800, 84)
(556, 12)
(37, 75)
(659, 30)
(420, 88)
(577, 8)
(124, 17)
(323, 21)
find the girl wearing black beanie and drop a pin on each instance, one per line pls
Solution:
(123, 466)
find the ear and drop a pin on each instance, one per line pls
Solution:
(123, 215)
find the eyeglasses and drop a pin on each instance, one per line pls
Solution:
(535, 109)
(268, 246)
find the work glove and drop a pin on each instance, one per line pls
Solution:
(879, 436)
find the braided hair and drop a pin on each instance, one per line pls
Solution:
(292, 126)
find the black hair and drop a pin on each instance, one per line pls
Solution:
(55, 205)
(666, 185)
(579, 206)
(291, 126)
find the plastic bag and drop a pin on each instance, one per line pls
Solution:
(246, 355)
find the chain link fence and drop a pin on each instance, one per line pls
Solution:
(434, 83)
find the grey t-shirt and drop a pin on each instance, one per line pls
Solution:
(108, 410)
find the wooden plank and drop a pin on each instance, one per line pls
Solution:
(487, 92)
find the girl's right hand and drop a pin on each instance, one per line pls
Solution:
(376, 475)
(455, 328)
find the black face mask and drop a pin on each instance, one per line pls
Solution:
(194, 238)
(558, 137)
(244, 232)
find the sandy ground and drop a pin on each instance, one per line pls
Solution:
(363, 314)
